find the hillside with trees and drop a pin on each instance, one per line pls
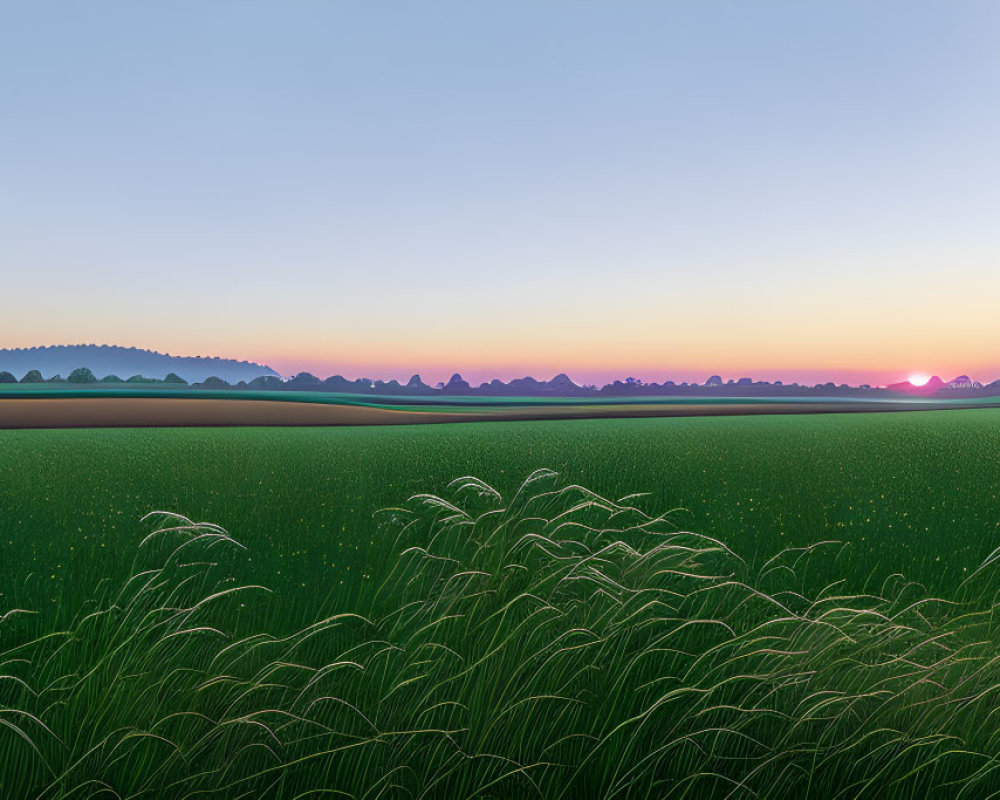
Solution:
(110, 360)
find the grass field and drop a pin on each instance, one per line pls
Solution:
(508, 654)
(918, 493)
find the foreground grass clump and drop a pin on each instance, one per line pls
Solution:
(552, 644)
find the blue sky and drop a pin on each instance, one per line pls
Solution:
(778, 189)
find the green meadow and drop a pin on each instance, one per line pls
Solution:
(918, 493)
(762, 606)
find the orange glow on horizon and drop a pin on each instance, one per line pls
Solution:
(814, 341)
(435, 370)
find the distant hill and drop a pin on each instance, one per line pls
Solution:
(82, 364)
(125, 362)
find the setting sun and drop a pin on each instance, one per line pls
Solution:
(919, 379)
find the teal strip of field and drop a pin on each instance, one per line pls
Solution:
(459, 404)
(917, 494)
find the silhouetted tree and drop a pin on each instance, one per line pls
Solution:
(6, 377)
(213, 383)
(33, 376)
(111, 379)
(82, 375)
(173, 377)
(337, 383)
(387, 387)
(304, 380)
(457, 385)
(266, 382)
(416, 386)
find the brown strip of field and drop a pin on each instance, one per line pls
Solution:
(133, 412)
(154, 412)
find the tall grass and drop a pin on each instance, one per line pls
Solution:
(552, 644)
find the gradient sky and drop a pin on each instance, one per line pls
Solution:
(794, 190)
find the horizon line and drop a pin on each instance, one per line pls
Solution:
(608, 375)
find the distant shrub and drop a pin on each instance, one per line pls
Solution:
(305, 380)
(213, 383)
(82, 375)
(173, 377)
(33, 376)
(266, 382)
(6, 377)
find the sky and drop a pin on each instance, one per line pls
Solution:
(668, 190)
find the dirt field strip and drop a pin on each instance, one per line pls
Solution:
(135, 412)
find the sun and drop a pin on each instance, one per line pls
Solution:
(919, 379)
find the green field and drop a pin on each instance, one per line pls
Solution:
(918, 493)
(824, 701)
